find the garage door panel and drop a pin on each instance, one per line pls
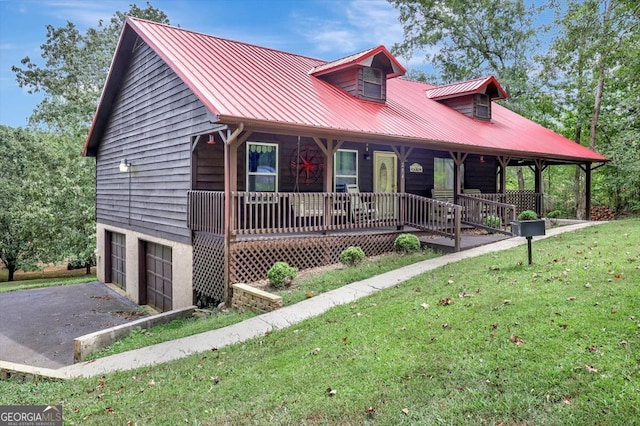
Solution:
(158, 272)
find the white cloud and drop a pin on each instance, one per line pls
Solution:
(82, 13)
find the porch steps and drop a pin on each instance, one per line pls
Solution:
(447, 245)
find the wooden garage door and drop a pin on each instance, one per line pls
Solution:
(158, 273)
(117, 259)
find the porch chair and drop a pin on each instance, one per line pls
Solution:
(360, 210)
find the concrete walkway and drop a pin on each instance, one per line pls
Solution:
(280, 318)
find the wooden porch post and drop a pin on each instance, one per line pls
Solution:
(230, 141)
(587, 189)
(503, 161)
(328, 150)
(539, 188)
(458, 159)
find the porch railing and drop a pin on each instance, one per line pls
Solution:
(287, 212)
(483, 213)
(523, 200)
(206, 211)
(262, 213)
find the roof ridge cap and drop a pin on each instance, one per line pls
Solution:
(173, 27)
(464, 81)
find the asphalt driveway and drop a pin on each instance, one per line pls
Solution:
(37, 326)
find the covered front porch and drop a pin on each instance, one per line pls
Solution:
(311, 229)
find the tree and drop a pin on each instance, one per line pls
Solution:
(75, 69)
(28, 218)
(465, 39)
(592, 51)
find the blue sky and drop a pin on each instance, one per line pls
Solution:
(324, 29)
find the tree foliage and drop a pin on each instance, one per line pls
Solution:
(592, 69)
(48, 203)
(464, 39)
(27, 212)
(75, 69)
(585, 84)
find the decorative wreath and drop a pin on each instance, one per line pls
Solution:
(307, 164)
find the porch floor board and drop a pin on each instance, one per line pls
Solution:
(447, 245)
(378, 230)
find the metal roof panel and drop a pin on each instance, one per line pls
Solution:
(246, 82)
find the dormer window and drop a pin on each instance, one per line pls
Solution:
(472, 97)
(482, 106)
(372, 83)
(363, 75)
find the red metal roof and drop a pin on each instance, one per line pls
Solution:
(477, 85)
(240, 82)
(361, 58)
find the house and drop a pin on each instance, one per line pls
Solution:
(217, 158)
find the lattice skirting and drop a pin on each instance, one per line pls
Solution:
(249, 260)
(208, 266)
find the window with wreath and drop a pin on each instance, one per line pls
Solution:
(443, 173)
(346, 167)
(262, 166)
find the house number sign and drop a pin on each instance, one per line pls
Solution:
(415, 168)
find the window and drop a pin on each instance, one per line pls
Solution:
(262, 167)
(346, 167)
(443, 173)
(372, 79)
(482, 106)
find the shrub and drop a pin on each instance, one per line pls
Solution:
(406, 243)
(527, 215)
(281, 274)
(554, 214)
(493, 221)
(351, 256)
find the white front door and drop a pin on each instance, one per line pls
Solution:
(385, 180)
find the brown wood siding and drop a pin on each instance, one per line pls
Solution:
(420, 183)
(463, 104)
(346, 80)
(481, 175)
(153, 119)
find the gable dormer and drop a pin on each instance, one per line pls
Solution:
(363, 75)
(471, 98)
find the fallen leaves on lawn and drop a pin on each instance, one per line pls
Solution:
(425, 306)
(445, 301)
(568, 400)
(590, 368)
(405, 410)
(315, 351)
(516, 339)
(331, 392)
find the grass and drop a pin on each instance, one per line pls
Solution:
(25, 284)
(306, 286)
(488, 340)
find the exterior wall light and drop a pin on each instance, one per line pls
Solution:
(125, 166)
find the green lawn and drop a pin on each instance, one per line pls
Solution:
(44, 282)
(486, 341)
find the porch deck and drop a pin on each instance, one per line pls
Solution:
(467, 241)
